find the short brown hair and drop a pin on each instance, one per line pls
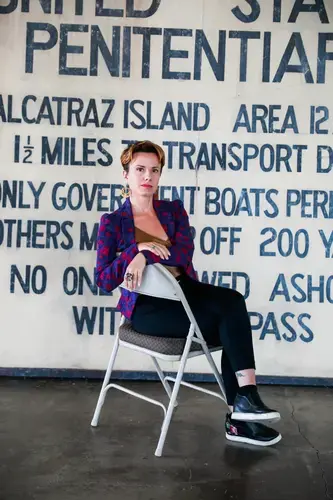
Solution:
(141, 147)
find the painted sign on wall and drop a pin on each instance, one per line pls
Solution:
(238, 93)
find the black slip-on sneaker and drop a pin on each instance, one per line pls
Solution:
(250, 433)
(250, 408)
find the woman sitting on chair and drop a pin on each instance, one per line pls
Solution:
(146, 231)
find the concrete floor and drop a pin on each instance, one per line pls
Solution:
(48, 451)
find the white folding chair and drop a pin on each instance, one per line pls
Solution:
(159, 282)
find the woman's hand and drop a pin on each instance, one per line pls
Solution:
(134, 271)
(156, 248)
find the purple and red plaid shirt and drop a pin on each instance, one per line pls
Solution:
(116, 234)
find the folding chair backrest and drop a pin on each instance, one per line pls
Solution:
(155, 283)
(159, 282)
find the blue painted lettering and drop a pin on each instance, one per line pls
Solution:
(33, 278)
(211, 240)
(253, 202)
(94, 320)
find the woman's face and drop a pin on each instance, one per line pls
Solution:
(144, 174)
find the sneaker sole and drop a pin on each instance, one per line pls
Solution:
(254, 417)
(239, 439)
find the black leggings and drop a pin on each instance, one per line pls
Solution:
(221, 315)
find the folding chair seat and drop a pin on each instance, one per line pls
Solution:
(158, 282)
(169, 346)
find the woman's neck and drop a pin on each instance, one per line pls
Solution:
(142, 205)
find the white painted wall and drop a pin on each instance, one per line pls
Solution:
(39, 330)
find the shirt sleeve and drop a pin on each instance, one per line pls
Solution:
(182, 249)
(110, 269)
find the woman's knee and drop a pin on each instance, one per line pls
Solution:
(234, 296)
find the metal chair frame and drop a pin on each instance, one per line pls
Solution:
(159, 282)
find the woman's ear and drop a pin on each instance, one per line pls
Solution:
(125, 174)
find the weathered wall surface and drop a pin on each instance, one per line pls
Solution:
(240, 95)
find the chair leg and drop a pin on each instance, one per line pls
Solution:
(215, 371)
(107, 377)
(165, 383)
(168, 416)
